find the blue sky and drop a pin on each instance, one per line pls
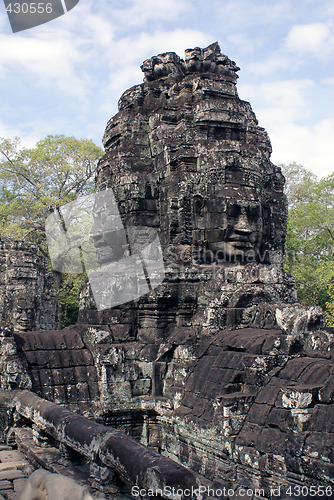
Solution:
(65, 77)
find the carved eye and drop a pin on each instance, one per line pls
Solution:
(253, 212)
(233, 210)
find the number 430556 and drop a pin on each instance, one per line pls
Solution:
(29, 8)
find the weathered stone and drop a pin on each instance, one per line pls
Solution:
(5, 485)
(19, 485)
(13, 368)
(134, 462)
(56, 364)
(189, 158)
(13, 465)
(10, 456)
(185, 155)
(219, 367)
(29, 299)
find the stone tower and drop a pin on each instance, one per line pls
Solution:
(185, 156)
(29, 297)
(234, 370)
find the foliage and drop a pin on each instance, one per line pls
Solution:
(32, 181)
(309, 248)
(36, 180)
(69, 295)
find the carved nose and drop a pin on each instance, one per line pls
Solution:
(242, 226)
(24, 316)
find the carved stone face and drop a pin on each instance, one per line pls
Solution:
(193, 59)
(107, 232)
(23, 315)
(109, 244)
(230, 227)
(243, 229)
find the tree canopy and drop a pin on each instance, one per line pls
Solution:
(309, 248)
(32, 181)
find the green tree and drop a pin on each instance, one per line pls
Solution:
(54, 172)
(33, 181)
(69, 296)
(309, 249)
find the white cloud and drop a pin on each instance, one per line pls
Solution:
(48, 59)
(279, 101)
(243, 43)
(314, 38)
(284, 108)
(313, 147)
(3, 20)
(328, 8)
(59, 56)
(26, 139)
(277, 62)
(141, 12)
(89, 26)
(245, 13)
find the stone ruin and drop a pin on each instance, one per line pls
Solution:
(219, 368)
(28, 295)
(28, 301)
(185, 155)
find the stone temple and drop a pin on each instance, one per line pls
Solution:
(29, 299)
(219, 368)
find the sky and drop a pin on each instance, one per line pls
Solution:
(66, 76)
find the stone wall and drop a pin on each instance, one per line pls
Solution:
(238, 373)
(61, 367)
(28, 295)
(219, 367)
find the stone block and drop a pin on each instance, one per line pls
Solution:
(326, 393)
(5, 485)
(10, 455)
(141, 387)
(258, 413)
(19, 485)
(18, 464)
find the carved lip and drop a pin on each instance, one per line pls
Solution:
(241, 242)
(23, 327)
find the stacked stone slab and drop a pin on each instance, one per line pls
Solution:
(61, 366)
